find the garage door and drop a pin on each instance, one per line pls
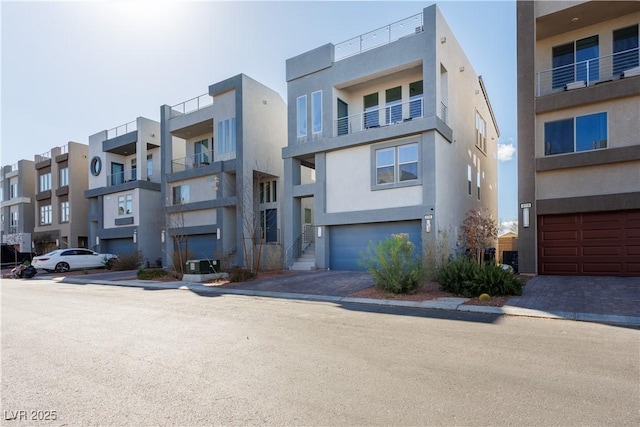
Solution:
(349, 241)
(118, 246)
(201, 246)
(597, 243)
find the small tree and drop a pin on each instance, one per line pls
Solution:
(478, 231)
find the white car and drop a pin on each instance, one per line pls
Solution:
(62, 260)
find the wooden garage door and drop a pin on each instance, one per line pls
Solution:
(596, 243)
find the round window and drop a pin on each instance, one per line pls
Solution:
(96, 166)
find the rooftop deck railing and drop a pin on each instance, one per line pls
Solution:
(192, 162)
(587, 73)
(122, 129)
(384, 116)
(191, 105)
(43, 156)
(381, 36)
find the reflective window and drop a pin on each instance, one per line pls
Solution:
(302, 115)
(316, 111)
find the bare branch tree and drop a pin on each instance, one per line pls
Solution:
(478, 231)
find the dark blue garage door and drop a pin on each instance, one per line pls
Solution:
(349, 241)
(202, 246)
(118, 246)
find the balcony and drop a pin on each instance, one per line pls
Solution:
(382, 36)
(378, 117)
(122, 129)
(587, 73)
(191, 105)
(192, 162)
(131, 175)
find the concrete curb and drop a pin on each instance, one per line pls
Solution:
(453, 304)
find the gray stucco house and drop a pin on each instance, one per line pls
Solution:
(17, 212)
(389, 132)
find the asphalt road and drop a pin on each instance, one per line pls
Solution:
(105, 355)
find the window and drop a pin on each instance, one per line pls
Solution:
(201, 150)
(96, 166)
(478, 180)
(149, 165)
(227, 136)
(469, 178)
(625, 49)
(415, 99)
(45, 215)
(13, 189)
(343, 117)
(307, 216)
(125, 204)
(371, 114)
(396, 164)
(316, 112)
(302, 115)
(393, 108)
(481, 133)
(180, 194)
(14, 222)
(576, 62)
(134, 169)
(64, 177)
(583, 133)
(268, 192)
(45, 181)
(64, 211)
(117, 173)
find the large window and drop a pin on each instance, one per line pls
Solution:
(180, 194)
(149, 165)
(316, 112)
(481, 133)
(134, 169)
(117, 173)
(583, 133)
(576, 61)
(64, 177)
(397, 164)
(415, 99)
(64, 211)
(45, 215)
(268, 192)
(45, 181)
(301, 106)
(14, 222)
(393, 108)
(625, 49)
(13, 189)
(201, 150)
(125, 204)
(227, 136)
(371, 113)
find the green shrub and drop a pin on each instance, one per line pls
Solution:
(241, 275)
(467, 278)
(393, 265)
(151, 273)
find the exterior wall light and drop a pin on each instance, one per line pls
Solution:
(525, 214)
(427, 223)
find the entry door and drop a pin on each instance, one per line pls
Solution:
(117, 173)
(343, 119)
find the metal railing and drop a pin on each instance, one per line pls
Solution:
(586, 73)
(381, 36)
(44, 156)
(191, 162)
(384, 116)
(294, 251)
(191, 105)
(64, 149)
(122, 129)
(15, 167)
(129, 175)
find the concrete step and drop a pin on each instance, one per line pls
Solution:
(303, 265)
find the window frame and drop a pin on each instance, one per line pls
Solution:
(397, 183)
(574, 130)
(125, 204)
(316, 110)
(46, 215)
(64, 212)
(44, 182)
(301, 116)
(64, 176)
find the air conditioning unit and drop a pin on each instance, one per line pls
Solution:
(203, 266)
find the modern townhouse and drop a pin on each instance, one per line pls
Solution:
(125, 208)
(222, 172)
(17, 197)
(60, 206)
(579, 137)
(398, 131)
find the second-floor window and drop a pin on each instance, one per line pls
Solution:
(481, 133)
(64, 211)
(227, 136)
(125, 204)
(582, 133)
(64, 177)
(45, 181)
(301, 116)
(45, 215)
(181, 194)
(13, 189)
(396, 164)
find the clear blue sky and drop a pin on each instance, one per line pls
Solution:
(71, 69)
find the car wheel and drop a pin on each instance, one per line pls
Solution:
(62, 267)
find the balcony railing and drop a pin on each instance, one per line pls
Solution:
(381, 36)
(191, 162)
(131, 175)
(42, 157)
(122, 129)
(375, 118)
(191, 105)
(587, 73)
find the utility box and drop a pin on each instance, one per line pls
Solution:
(203, 266)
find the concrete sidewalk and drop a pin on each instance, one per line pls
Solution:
(610, 300)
